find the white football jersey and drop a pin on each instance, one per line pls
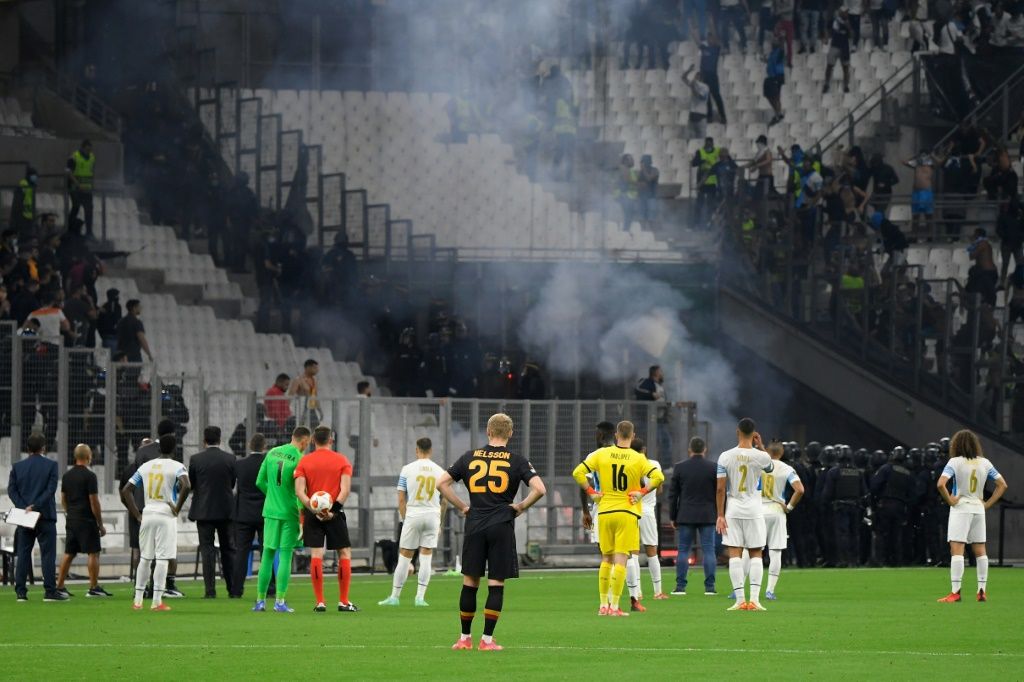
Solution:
(650, 499)
(160, 480)
(418, 480)
(742, 467)
(773, 483)
(969, 477)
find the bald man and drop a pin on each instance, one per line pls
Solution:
(79, 496)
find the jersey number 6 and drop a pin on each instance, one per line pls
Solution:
(497, 477)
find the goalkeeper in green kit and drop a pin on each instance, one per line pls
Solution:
(280, 517)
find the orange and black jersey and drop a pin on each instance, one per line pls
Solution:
(492, 475)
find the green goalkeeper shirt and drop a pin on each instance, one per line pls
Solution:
(277, 481)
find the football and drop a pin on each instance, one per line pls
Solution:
(320, 501)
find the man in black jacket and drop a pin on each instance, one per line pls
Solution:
(212, 474)
(691, 503)
(248, 508)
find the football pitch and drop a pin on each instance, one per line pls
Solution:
(827, 624)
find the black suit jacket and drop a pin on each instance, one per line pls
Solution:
(691, 492)
(248, 498)
(212, 475)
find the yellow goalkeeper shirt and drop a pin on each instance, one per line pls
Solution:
(615, 472)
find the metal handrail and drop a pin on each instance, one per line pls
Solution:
(983, 107)
(850, 122)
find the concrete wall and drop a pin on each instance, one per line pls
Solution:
(866, 395)
(50, 156)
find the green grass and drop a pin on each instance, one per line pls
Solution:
(827, 624)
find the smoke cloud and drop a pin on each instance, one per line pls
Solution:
(616, 322)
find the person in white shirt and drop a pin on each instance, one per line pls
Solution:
(699, 94)
(775, 508)
(969, 472)
(421, 508)
(648, 534)
(165, 485)
(740, 516)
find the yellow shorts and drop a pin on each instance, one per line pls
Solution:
(618, 533)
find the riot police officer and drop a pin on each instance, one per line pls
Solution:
(826, 527)
(894, 488)
(861, 460)
(801, 529)
(913, 540)
(845, 491)
(930, 503)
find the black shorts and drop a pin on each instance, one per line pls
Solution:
(493, 548)
(331, 534)
(83, 537)
(133, 532)
(772, 86)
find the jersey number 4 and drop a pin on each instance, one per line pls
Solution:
(619, 479)
(497, 476)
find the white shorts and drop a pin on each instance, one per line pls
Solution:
(158, 537)
(420, 531)
(746, 533)
(966, 527)
(594, 537)
(775, 528)
(648, 530)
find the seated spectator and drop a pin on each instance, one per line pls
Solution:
(278, 408)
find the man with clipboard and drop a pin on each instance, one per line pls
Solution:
(32, 487)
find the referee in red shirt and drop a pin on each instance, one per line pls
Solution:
(325, 470)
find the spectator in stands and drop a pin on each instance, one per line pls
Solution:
(697, 9)
(107, 318)
(881, 15)
(775, 77)
(839, 49)
(79, 497)
(277, 405)
(854, 11)
(699, 103)
(32, 486)
(242, 211)
(407, 366)
(734, 13)
(212, 475)
(627, 189)
(80, 173)
(652, 389)
(784, 10)
(640, 33)
(704, 161)
(5, 305)
(810, 22)
(1001, 183)
(765, 22)
(131, 334)
(647, 191)
(23, 208)
(922, 201)
(762, 163)
(81, 315)
(248, 512)
(809, 199)
(883, 178)
(1010, 230)
(691, 504)
(25, 301)
(920, 36)
(710, 53)
(214, 219)
(894, 243)
(52, 321)
(727, 173)
(306, 386)
(531, 382)
(983, 277)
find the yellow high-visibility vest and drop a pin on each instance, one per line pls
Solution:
(83, 169)
(708, 159)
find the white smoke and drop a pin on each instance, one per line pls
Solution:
(615, 322)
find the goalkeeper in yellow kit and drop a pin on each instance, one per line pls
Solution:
(611, 476)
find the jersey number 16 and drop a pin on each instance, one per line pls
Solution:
(619, 480)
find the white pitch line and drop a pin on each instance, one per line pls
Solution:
(598, 649)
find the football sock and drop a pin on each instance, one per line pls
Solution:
(982, 572)
(344, 579)
(159, 578)
(774, 568)
(633, 576)
(423, 577)
(316, 576)
(746, 563)
(141, 578)
(756, 574)
(736, 576)
(618, 582)
(492, 609)
(467, 609)
(956, 571)
(604, 579)
(654, 565)
(266, 572)
(401, 573)
(284, 572)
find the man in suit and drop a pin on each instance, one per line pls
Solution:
(32, 485)
(145, 453)
(212, 473)
(691, 503)
(248, 508)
